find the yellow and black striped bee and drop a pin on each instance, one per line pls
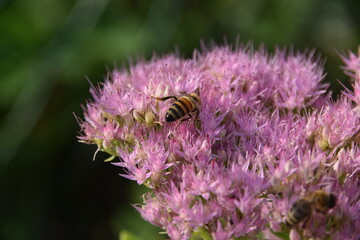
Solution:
(302, 209)
(185, 105)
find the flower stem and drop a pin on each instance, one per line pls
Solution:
(203, 233)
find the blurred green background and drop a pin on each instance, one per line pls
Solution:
(49, 186)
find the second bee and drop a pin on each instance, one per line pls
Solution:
(302, 209)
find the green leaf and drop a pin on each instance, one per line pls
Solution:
(281, 235)
(109, 159)
(126, 235)
(201, 233)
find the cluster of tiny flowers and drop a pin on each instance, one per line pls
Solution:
(267, 134)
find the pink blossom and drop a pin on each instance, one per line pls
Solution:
(266, 135)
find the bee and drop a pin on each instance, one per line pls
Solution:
(302, 209)
(185, 105)
(322, 202)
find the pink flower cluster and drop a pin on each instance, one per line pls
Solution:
(267, 134)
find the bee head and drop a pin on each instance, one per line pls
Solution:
(196, 97)
(332, 200)
(323, 201)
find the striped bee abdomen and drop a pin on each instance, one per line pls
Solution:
(179, 109)
(300, 210)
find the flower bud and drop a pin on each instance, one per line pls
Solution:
(129, 121)
(138, 116)
(129, 138)
(323, 144)
(149, 118)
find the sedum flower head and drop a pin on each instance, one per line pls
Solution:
(352, 68)
(266, 135)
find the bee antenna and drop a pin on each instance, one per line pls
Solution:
(197, 91)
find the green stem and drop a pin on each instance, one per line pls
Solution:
(204, 234)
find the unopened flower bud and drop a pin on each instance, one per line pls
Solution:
(128, 120)
(149, 118)
(155, 178)
(129, 138)
(138, 116)
(323, 144)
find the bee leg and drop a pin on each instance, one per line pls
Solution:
(183, 120)
(157, 122)
(303, 225)
(164, 98)
(197, 112)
